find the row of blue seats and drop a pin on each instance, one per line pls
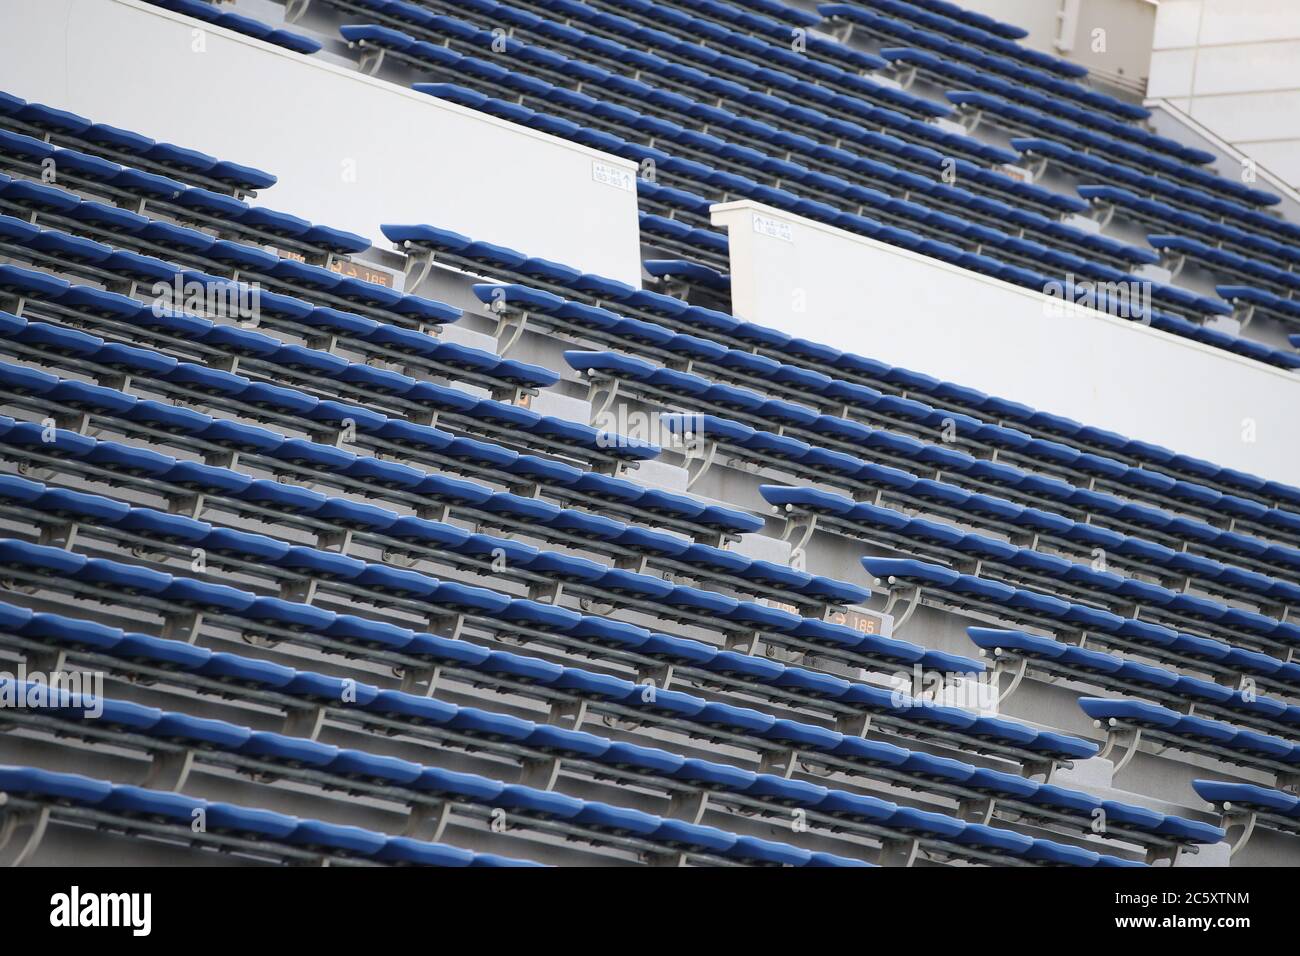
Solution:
(728, 15)
(1131, 528)
(19, 115)
(914, 769)
(715, 151)
(1091, 168)
(658, 54)
(210, 208)
(1035, 127)
(1114, 673)
(1231, 201)
(1116, 201)
(693, 665)
(1247, 300)
(748, 728)
(672, 32)
(201, 292)
(396, 532)
(1153, 540)
(268, 360)
(948, 73)
(1195, 733)
(183, 244)
(1140, 479)
(812, 357)
(570, 745)
(393, 778)
(895, 33)
(1274, 278)
(488, 418)
(977, 35)
(580, 749)
(1013, 565)
(1131, 142)
(727, 26)
(321, 460)
(670, 601)
(952, 15)
(777, 427)
(1026, 606)
(871, 521)
(672, 236)
(283, 619)
(659, 596)
(711, 19)
(772, 9)
(819, 140)
(212, 13)
(1102, 587)
(906, 419)
(186, 244)
(478, 501)
(906, 140)
(359, 332)
(226, 824)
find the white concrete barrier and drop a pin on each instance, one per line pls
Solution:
(864, 296)
(351, 151)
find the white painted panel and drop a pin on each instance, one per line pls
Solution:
(884, 302)
(1247, 68)
(1251, 116)
(1177, 24)
(415, 159)
(1249, 21)
(1172, 72)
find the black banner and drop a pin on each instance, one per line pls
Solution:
(563, 907)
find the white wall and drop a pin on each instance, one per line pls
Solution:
(1234, 66)
(307, 121)
(889, 304)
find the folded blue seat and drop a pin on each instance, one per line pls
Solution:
(294, 751)
(376, 768)
(539, 803)
(1129, 710)
(338, 838)
(994, 840)
(1060, 854)
(412, 708)
(734, 719)
(70, 787)
(906, 570)
(153, 804)
(80, 506)
(767, 852)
